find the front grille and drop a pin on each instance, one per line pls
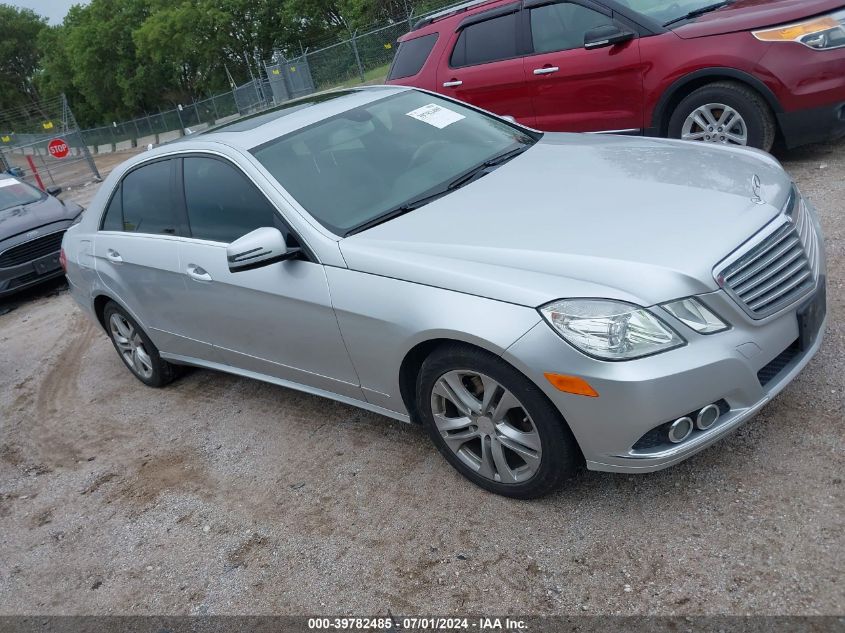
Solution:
(770, 371)
(779, 270)
(29, 251)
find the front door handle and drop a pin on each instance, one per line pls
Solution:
(200, 274)
(548, 70)
(453, 84)
(113, 256)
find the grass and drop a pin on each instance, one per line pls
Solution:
(374, 76)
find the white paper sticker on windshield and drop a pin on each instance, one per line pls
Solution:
(436, 115)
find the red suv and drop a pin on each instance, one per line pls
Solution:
(741, 72)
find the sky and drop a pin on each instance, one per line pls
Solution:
(54, 10)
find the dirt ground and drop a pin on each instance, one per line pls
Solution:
(221, 495)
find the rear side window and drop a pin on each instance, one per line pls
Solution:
(488, 41)
(562, 26)
(222, 203)
(143, 203)
(411, 56)
(114, 214)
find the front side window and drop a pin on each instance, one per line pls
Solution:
(14, 193)
(488, 41)
(562, 26)
(353, 168)
(147, 200)
(222, 203)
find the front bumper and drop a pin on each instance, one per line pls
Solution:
(31, 273)
(813, 126)
(637, 396)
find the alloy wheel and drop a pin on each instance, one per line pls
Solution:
(486, 426)
(130, 345)
(715, 123)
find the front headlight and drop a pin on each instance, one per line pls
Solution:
(820, 34)
(610, 330)
(694, 314)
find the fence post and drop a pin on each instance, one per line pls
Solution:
(214, 107)
(357, 57)
(72, 121)
(4, 164)
(196, 111)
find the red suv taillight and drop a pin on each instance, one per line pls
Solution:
(63, 260)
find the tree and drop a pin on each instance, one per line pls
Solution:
(19, 54)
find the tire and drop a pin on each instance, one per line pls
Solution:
(517, 409)
(759, 122)
(131, 342)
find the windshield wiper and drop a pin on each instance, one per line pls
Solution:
(481, 170)
(407, 207)
(416, 203)
(698, 12)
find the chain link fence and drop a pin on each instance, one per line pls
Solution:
(42, 144)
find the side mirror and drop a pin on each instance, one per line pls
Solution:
(607, 35)
(54, 191)
(262, 247)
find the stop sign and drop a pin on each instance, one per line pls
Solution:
(58, 148)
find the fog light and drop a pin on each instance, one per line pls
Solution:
(680, 430)
(707, 417)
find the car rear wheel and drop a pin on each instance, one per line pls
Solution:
(494, 425)
(726, 113)
(135, 348)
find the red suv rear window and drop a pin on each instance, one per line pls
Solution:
(411, 56)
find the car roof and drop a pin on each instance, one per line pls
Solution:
(251, 131)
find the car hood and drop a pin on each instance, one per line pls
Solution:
(22, 219)
(744, 15)
(642, 220)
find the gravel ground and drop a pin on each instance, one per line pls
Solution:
(223, 495)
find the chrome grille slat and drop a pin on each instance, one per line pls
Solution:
(789, 280)
(769, 270)
(776, 239)
(776, 270)
(789, 245)
(782, 277)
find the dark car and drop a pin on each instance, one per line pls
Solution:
(738, 72)
(32, 225)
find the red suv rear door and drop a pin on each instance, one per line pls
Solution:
(483, 64)
(574, 89)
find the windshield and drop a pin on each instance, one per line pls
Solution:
(664, 11)
(14, 193)
(353, 168)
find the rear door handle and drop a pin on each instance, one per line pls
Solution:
(113, 256)
(546, 71)
(453, 84)
(200, 274)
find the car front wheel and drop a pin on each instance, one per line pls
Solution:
(493, 424)
(726, 113)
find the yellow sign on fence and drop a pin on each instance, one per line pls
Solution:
(276, 71)
(388, 46)
(6, 139)
(47, 125)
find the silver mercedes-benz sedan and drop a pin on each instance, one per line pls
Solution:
(533, 300)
